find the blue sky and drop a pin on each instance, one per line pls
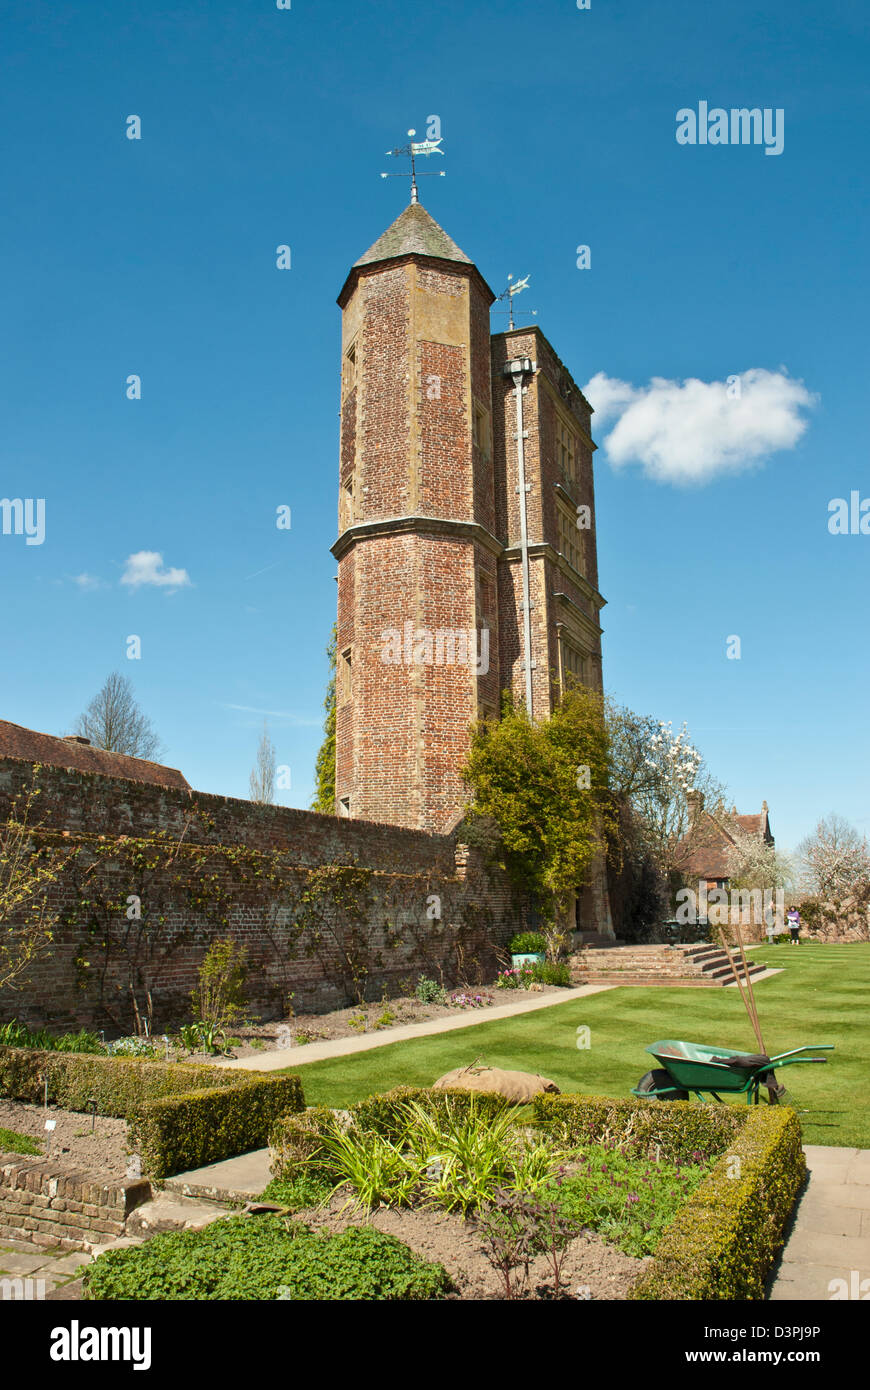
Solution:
(262, 127)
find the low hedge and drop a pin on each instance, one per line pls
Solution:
(119, 1085)
(204, 1126)
(675, 1129)
(179, 1115)
(727, 1236)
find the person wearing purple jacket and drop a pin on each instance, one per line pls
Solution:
(793, 918)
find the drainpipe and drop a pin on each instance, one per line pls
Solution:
(518, 369)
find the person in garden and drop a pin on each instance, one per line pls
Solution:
(793, 918)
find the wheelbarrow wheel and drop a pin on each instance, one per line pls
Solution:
(659, 1080)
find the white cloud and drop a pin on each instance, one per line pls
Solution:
(146, 567)
(692, 431)
(87, 581)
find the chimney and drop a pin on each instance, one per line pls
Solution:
(76, 738)
(696, 806)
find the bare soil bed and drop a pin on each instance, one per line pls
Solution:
(102, 1152)
(298, 1029)
(592, 1270)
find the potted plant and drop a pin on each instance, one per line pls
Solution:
(528, 948)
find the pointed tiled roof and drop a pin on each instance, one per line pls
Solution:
(414, 233)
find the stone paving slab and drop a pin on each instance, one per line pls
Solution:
(231, 1180)
(829, 1237)
(344, 1047)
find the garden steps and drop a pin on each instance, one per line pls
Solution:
(695, 965)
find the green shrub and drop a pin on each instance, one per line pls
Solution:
(429, 991)
(265, 1258)
(201, 1127)
(723, 1243)
(551, 972)
(528, 943)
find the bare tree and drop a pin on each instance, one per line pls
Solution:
(114, 721)
(262, 779)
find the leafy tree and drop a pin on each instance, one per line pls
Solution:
(544, 784)
(262, 779)
(324, 771)
(114, 721)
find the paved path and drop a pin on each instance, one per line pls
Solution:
(34, 1271)
(343, 1047)
(830, 1231)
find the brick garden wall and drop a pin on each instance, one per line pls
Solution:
(196, 867)
(50, 1206)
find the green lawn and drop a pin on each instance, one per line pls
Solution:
(822, 996)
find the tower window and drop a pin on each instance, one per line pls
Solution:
(570, 543)
(573, 665)
(480, 431)
(350, 368)
(345, 673)
(566, 451)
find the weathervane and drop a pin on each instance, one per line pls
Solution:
(508, 294)
(413, 152)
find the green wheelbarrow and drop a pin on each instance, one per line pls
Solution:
(694, 1067)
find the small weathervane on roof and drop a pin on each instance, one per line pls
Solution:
(413, 152)
(508, 294)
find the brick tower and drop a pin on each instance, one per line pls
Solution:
(466, 551)
(417, 554)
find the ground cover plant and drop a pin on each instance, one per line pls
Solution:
(624, 1198)
(13, 1142)
(820, 996)
(265, 1257)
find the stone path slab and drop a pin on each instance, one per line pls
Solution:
(828, 1245)
(231, 1180)
(344, 1047)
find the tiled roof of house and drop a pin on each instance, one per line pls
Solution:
(414, 232)
(33, 747)
(705, 851)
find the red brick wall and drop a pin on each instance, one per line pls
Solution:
(255, 863)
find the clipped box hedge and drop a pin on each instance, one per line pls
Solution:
(204, 1126)
(725, 1239)
(727, 1236)
(179, 1115)
(674, 1129)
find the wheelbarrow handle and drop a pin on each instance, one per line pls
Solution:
(812, 1047)
(793, 1061)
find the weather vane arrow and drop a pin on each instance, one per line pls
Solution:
(509, 293)
(413, 152)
